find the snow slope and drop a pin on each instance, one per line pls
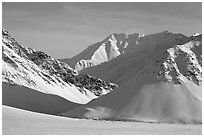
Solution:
(32, 100)
(108, 49)
(37, 70)
(163, 85)
(21, 122)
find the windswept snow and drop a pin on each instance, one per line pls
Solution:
(143, 99)
(21, 122)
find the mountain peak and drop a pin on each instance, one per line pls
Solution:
(117, 44)
(159, 81)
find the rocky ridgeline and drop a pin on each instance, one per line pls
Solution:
(105, 50)
(181, 61)
(120, 43)
(54, 67)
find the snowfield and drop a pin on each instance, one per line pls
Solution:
(21, 122)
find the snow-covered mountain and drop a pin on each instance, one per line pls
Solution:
(159, 78)
(118, 44)
(39, 71)
(105, 50)
(160, 81)
(126, 65)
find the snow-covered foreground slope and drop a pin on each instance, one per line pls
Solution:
(165, 87)
(21, 122)
(37, 70)
(32, 100)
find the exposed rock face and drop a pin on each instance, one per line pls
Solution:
(180, 61)
(25, 66)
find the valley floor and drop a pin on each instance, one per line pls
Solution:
(17, 121)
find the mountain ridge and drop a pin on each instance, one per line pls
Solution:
(39, 71)
(117, 44)
(160, 84)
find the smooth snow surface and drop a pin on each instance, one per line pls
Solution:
(32, 100)
(21, 122)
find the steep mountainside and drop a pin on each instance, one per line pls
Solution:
(125, 66)
(39, 71)
(109, 48)
(118, 44)
(162, 85)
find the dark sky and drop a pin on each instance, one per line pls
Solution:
(65, 29)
